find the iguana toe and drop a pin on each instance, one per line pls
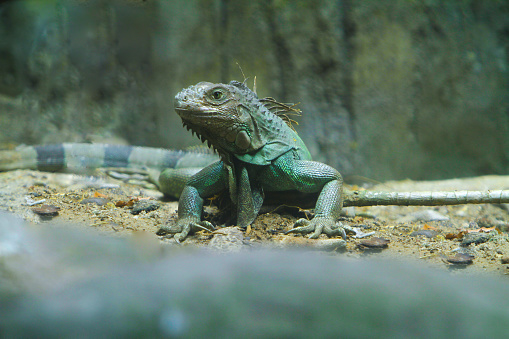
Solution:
(301, 226)
(169, 229)
(318, 225)
(202, 225)
(183, 227)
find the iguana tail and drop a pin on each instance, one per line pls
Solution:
(79, 157)
(429, 198)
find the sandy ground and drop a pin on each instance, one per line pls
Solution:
(430, 235)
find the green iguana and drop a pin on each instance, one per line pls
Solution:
(259, 153)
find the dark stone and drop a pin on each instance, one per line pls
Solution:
(476, 238)
(145, 205)
(46, 210)
(374, 243)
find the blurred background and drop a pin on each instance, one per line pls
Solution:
(389, 89)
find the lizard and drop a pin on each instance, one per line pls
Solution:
(258, 153)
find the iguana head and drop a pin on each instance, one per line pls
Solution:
(219, 114)
(232, 119)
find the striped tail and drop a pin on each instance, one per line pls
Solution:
(79, 157)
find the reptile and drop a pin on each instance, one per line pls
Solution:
(258, 153)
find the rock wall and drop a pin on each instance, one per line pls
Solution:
(388, 89)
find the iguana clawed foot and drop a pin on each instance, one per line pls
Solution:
(184, 226)
(318, 225)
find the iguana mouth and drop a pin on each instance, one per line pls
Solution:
(193, 113)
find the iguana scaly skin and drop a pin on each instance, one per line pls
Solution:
(259, 153)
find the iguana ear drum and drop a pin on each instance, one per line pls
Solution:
(231, 136)
(243, 141)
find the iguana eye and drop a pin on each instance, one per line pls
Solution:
(217, 94)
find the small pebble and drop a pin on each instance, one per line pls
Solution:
(145, 205)
(98, 201)
(46, 210)
(374, 243)
(426, 233)
(460, 259)
(504, 260)
(503, 227)
(357, 231)
(425, 215)
(329, 245)
(227, 239)
(32, 202)
(485, 222)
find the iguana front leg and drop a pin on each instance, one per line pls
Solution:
(309, 177)
(327, 211)
(209, 181)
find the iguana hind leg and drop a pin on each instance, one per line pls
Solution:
(172, 181)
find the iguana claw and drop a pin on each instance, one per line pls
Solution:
(317, 225)
(183, 227)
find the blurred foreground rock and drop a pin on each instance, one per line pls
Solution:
(58, 282)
